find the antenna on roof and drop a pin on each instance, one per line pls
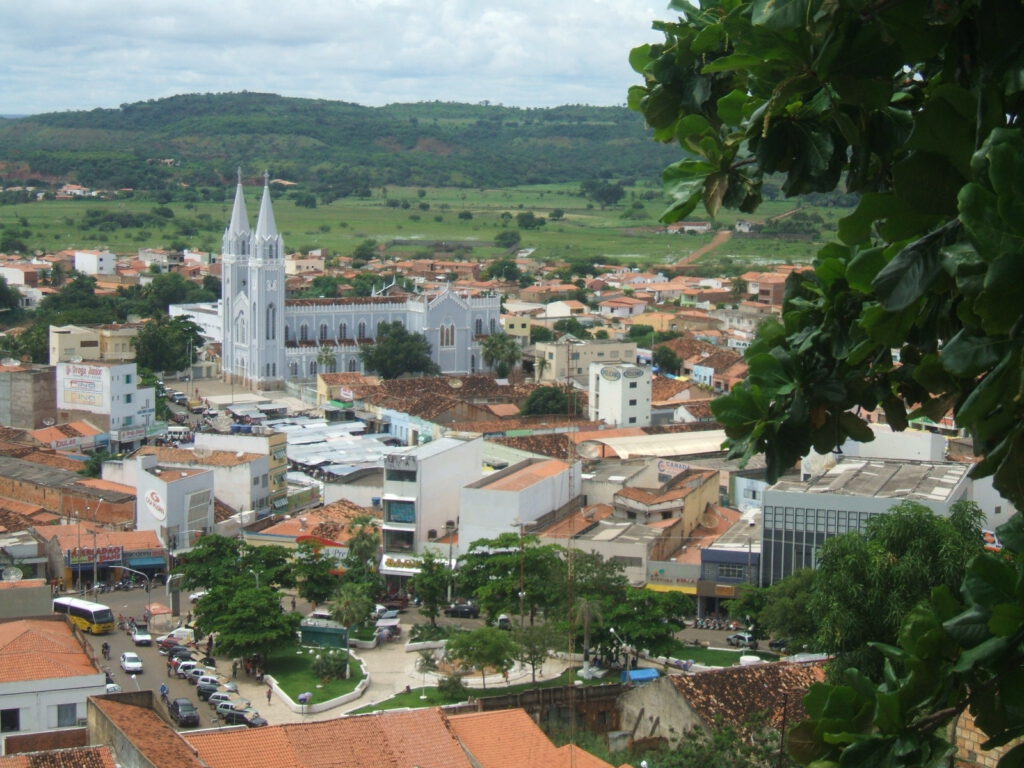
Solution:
(12, 574)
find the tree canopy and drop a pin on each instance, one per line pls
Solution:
(397, 351)
(167, 344)
(502, 352)
(915, 106)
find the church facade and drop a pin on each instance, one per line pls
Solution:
(268, 338)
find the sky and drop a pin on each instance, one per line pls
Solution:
(58, 55)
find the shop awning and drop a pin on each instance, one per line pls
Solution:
(146, 562)
(686, 589)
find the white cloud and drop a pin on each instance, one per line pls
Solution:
(58, 54)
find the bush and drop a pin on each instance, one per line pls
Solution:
(424, 632)
(331, 666)
(452, 688)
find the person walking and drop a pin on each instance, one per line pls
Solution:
(270, 692)
(234, 668)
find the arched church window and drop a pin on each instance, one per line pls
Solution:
(352, 365)
(478, 326)
(293, 369)
(472, 363)
(323, 331)
(362, 331)
(312, 367)
(493, 325)
(271, 322)
(343, 331)
(303, 333)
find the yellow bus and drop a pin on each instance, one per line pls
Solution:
(88, 617)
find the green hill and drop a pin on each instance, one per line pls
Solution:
(332, 148)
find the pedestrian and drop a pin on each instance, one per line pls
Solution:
(188, 618)
(293, 604)
(234, 668)
(269, 694)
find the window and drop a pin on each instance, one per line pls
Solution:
(343, 331)
(398, 541)
(731, 571)
(303, 332)
(293, 370)
(402, 475)
(312, 367)
(448, 335)
(271, 322)
(999, 509)
(478, 326)
(352, 365)
(632, 402)
(362, 331)
(323, 331)
(400, 511)
(255, 481)
(127, 421)
(10, 720)
(632, 419)
(627, 562)
(632, 385)
(127, 378)
(67, 715)
(493, 326)
(128, 398)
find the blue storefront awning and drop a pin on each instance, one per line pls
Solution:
(146, 562)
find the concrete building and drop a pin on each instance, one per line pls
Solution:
(85, 553)
(48, 675)
(28, 395)
(22, 550)
(95, 262)
(620, 394)
(513, 499)
(25, 598)
(267, 442)
(570, 357)
(176, 503)
(109, 393)
(799, 515)
(422, 487)
(93, 342)
(207, 315)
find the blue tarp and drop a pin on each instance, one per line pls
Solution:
(644, 675)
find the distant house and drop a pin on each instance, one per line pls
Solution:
(689, 227)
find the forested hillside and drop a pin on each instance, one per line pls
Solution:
(333, 148)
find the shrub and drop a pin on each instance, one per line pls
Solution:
(452, 688)
(331, 666)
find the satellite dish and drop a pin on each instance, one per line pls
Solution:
(49, 422)
(8, 361)
(455, 383)
(12, 573)
(76, 359)
(201, 452)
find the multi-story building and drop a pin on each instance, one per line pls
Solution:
(108, 395)
(422, 485)
(95, 262)
(273, 445)
(241, 480)
(28, 395)
(177, 503)
(93, 342)
(570, 357)
(620, 394)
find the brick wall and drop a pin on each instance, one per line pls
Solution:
(968, 738)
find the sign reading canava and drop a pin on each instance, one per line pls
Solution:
(155, 505)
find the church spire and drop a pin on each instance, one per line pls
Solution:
(266, 227)
(239, 215)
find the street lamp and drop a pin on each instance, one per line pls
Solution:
(450, 527)
(257, 575)
(149, 594)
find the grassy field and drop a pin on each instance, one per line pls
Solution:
(585, 230)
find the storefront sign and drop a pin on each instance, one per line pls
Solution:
(155, 505)
(408, 563)
(100, 555)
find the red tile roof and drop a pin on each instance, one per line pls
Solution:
(41, 649)
(152, 736)
(76, 757)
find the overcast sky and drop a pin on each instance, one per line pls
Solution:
(80, 54)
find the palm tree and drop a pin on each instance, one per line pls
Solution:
(501, 352)
(350, 604)
(586, 610)
(325, 360)
(541, 366)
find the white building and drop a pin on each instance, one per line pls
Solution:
(95, 262)
(422, 486)
(514, 498)
(47, 676)
(207, 315)
(620, 394)
(175, 502)
(110, 393)
(267, 338)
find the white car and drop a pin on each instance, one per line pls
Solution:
(195, 596)
(130, 662)
(141, 636)
(113, 688)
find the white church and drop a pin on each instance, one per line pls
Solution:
(268, 338)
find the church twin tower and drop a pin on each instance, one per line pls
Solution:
(252, 308)
(268, 340)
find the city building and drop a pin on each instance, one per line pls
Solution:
(422, 486)
(569, 357)
(174, 502)
(108, 395)
(47, 675)
(85, 553)
(75, 343)
(95, 262)
(28, 395)
(267, 442)
(268, 338)
(620, 394)
(800, 514)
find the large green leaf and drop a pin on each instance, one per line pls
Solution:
(780, 14)
(905, 279)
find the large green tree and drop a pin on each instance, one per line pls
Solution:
(315, 572)
(167, 344)
(916, 106)
(396, 351)
(487, 649)
(866, 584)
(431, 584)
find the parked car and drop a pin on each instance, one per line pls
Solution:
(205, 690)
(113, 688)
(229, 696)
(196, 596)
(504, 622)
(185, 667)
(141, 636)
(197, 672)
(742, 640)
(247, 717)
(463, 610)
(183, 712)
(778, 645)
(231, 705)
(130, 662)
